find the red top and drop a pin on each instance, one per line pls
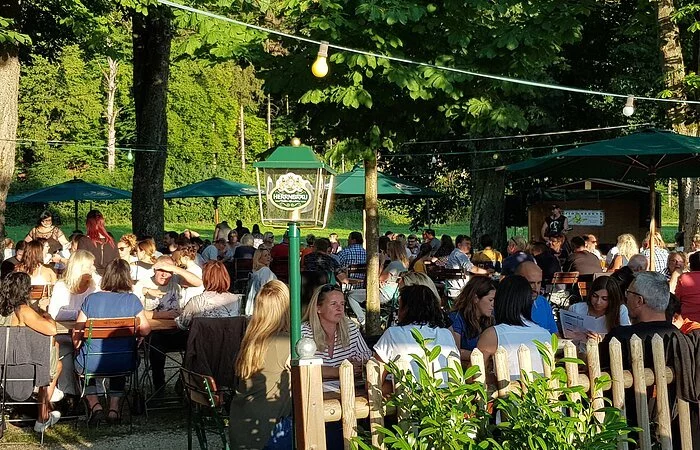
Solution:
(689, 326)
(688, 292)
(280, 251)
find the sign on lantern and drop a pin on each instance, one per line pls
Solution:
(294, 184)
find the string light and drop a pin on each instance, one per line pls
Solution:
(320, 66)
(130, 156)
(420, 63)
(628, 110)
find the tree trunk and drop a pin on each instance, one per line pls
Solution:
(9, 97)
(682, 194)
(111, 112)
(152, 35)
(373, 324)
(241, 127)
(488, 204)
(674, 73)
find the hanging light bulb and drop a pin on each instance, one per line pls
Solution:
(320, 66)
(296, 142)
(130, 156)
(628, 110)
(434, 160)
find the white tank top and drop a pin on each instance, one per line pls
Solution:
(511, 337)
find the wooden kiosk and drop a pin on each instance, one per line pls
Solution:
(604, 208)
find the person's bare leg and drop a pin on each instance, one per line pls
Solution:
(44, 406)
(54, 382)
(114, 406)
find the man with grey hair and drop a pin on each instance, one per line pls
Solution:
(638, 263)
(647, 300)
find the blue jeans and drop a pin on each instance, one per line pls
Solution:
(282, 436)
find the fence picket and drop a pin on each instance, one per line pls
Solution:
(347, 403)
(663, 408)
(376, 401)
(593, 373)
(525, 364)
(618, 384)
(640, 391)
(500, 366)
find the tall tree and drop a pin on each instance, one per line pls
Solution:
(10, 40)
(152, 36)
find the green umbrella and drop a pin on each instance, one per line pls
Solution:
(213, 187)
(75, 190)
(646, 155)
(352, 184)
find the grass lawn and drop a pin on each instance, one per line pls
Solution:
(342, 224)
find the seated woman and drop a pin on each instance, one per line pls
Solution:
(32, 264)
(514, 325)
(142, 268)
(676, 266)
(605, 304)
(260, 275)
(15, 311)
(336, 337)
(388, 279)
(419, 309)
(472, 314)
(115, 301)
(263, 406)
(246, 249)
(215, 301)
(185, 257)
(70, 292)
(231, 245)
(443, 252)
(418, 263)
(127, 247)
(626, 248)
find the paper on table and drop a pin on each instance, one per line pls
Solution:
(572, 322)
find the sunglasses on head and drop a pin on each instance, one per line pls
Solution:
(329, 288)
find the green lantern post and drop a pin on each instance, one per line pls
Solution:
(295, 188)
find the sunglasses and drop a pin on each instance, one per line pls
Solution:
(330, 288)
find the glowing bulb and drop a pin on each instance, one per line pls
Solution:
(306, 347)
(434, 160)
(130, 156)
(296, 142)
(320, 66)
(628, 110)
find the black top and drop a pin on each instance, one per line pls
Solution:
(103, 251)
(585, 263)
(555, 226)
(549, 265)
(645, 331)
(244, 252)
(8, 266)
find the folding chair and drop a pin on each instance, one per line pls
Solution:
(23, 336)
(205, 408)
(560, 300)
(451, 274)
(280, 267)
(40, 294)
(242, 270)
(99, 364)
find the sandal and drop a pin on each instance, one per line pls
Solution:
(113, 416)
(95, 416)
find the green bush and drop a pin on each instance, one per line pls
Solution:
(455, 416)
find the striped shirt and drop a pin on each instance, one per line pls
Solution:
(357, 349)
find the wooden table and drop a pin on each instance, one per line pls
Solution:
(65, 326)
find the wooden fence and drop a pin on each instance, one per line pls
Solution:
(312, 411)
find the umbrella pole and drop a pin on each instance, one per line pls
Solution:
(216, 210)
(75, 206)
(652, 221)
(429, 213)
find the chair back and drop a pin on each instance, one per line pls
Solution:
(583, 289)
(110, 328)
(40, 291)
(201, 389)
(243, 268)
(453, 274)
(565, 278)
(357, 269)
(280, 267)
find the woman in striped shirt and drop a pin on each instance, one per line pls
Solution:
(336, 337)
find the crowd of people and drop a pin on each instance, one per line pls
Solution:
(498, 300)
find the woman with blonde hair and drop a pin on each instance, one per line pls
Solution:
(126, 247)
(260, 275)
(70, 292)
(263, 406)
(388, 279)
(336, 337)
(145, 254)
(626, 248)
